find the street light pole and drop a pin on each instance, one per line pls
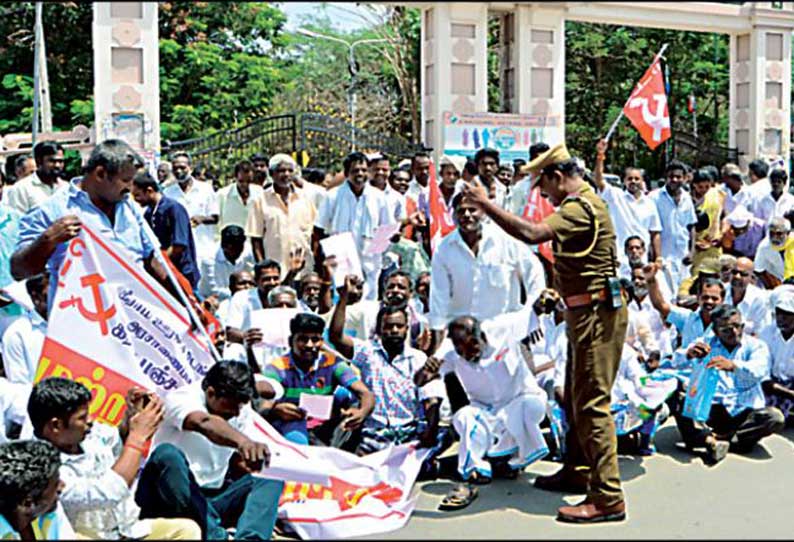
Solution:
(352, 67)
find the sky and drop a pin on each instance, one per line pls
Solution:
(343, 14)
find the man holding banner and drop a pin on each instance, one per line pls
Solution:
(100, 199)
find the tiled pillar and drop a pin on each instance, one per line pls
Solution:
(454, 64)
(126, 75)
(540, 61)
(760, 90)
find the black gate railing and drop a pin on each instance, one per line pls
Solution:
(326, 140)
(701, 152)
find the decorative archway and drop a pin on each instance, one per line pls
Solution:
(454, 60)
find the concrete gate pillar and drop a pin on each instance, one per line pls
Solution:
(127, 75)
(454, 65)
(540, 61)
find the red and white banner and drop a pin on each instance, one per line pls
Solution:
(113, 327)
(441, 222)
(646, 108)
(536, 210)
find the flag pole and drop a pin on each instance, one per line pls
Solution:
(620, 116)
(182, 295)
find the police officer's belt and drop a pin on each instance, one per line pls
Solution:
(581, 300)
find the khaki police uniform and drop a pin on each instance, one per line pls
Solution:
(584, 258)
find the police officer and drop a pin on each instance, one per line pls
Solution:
(585, 265)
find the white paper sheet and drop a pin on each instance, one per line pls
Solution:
(343, 247)
(317, 406)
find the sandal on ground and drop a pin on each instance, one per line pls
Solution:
(479, 479)
(460, 497)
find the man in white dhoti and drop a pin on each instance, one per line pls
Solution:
(506, 404)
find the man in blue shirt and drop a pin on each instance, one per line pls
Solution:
(100, 199)
(739, 417)
(171, 224)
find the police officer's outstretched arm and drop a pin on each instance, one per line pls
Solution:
(521, 229)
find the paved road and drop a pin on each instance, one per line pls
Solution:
(672, 494)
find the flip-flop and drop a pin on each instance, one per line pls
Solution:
(460, 497)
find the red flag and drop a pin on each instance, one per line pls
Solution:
(441, 222)
(646, 108)
(536, 209)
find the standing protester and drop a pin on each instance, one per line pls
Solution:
(199, 199)
(32, 190)
(236, 200)
(171, 224)
(585, 261)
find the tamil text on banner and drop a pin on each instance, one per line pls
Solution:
(646, 108)
(511, 135)
(112, 327)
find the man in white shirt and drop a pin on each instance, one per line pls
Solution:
(487, 161)
(778, 335)
(771, 252)
(480, 271)
(30, 191)
(747, 297)
(267, 275)
(235, 200)
(778, 202)
(13, 408)
(677, 214)
(506, 405)
(201, 203)
(99, 463)
(419, 187)
(233, 255)
(759, 185)
(733, 187)
(198, 442)
(633, 213)
(357, 207)
(23, 340)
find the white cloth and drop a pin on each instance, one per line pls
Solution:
(199, 200)
(215, 273)
(13, 405)
(768, 259)
(631, 216)
(22, 344)
(676, 219)
(242, 304)
(97, 500)
(208, 461)
(645, 316)
(315, 193)
(30, 192)
(781, 352)
(396, 203)
(231, 209)
(757, 192)
(627, 379)
(484, 285)
(742, 197)
(754, 307)
(766, 207)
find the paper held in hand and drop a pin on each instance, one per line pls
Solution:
(317, 406)
(342, 247)
(382, 239)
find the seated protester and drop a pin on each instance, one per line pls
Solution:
(748, 298)
(307, 370)
(690, 286)
(398, 293)
(361, 313)
(387, 366)
(170, 223)
(238, 281)
(29, 487)
(232, 256)
(546, 336)
(739, 417)
(506, 405)
(690, 324)
(635, 428)
(186, 474)
(637, 256)
(99, 463)
(642, 314)
(727, 263)
(24, 338)
(775, 254)
(778, 335)
(13, 408)
(744, 233)
(314, 295)
(267, 275)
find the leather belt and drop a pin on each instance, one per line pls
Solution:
(581, 300)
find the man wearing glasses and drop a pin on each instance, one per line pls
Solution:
(739, 417)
